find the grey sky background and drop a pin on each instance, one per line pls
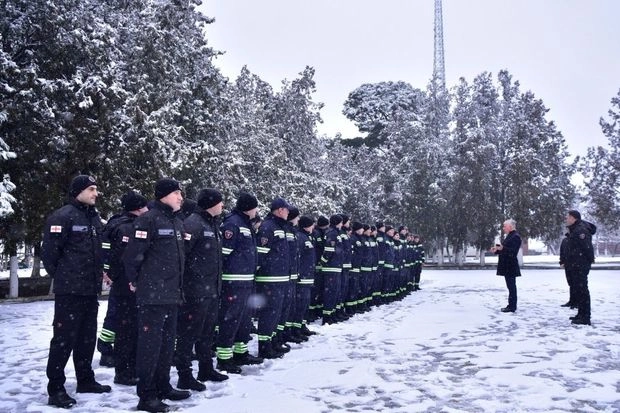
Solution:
(566, 51)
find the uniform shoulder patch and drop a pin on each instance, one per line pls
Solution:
(125, 238)
(228, 234)
(141, 234)
(582, 236)
(264, 241)
(187, 236)
(56, 229)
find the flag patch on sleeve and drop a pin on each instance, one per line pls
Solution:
(141, 234)
(125, 238)
(187, 236)
(56, 229)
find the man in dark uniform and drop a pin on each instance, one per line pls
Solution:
(331, 268)
(347, 249)
(202, 284)
(285, 325)
(307, 262)
(154, 263)
(272, 276)
(419, 258)
(71, 255)
(240, 261)
(354, 289)
(579, 259)
(115, 238)
(316, 294)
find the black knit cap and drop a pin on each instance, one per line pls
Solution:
(188, 207)
(366, 227)
(356, 226)
(575, 214)
(335, 219)
(322, 221)
(345, 218)
(379, 224)
(401, 228)
(208, 198)
(388, 227)
(132, 201)
(293, 213)
(305, 221)
(166, 186)
(80, 183)
(246, 202)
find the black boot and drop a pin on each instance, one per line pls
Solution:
(107, 360)
(61, 399)
(188, 382)
(246, 359)
(93, 387)
(581, 320)
(206, 372)
(297, 334)
(266, 351)
(153, 406)
(306, 331)
(229, 366)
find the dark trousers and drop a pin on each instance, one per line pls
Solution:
(195, 327)
(75, 330)
(272, 295)
(316, 295)
(417, 272)
(107, 337)
(511, 283)
(302, 302)
(570, 280)
(157, 326)
(582, 293)
(288, 304)
(331, 290)
(234, 318)
(126, 336)
(343, 287)
(353, 288)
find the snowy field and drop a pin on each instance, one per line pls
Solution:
(446, 348)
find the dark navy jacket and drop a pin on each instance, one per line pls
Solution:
(333, 253)
(71, 250)
(273, 251)
(291, 236)
(203, 256)
(507, 263)
(115, 238)
(238, 248)
(579, 249)
(155, 258)
(307, 257)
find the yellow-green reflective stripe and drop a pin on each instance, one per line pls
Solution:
(263, 250)
(355, 270)
(294, 276)
(306, 281)
(106, 245)
(331, 269)
(271, 279)
(366, 268)
(238, 277)
(226, 250)
(347, 265)
(106, 266)
(330, 249)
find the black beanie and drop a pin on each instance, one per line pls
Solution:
(575, 214)
(132, 201)
(379, 224)
(292, 213)
(166, 186)
(305, 222)
(366, 227)
(356, 226)
(335, 219)
(322, 221)
(246, 202)
(208, 198)
(345, 218)
(80, 183)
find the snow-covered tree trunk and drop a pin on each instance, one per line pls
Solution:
(13, 279)
(482, 256)
(36, 266)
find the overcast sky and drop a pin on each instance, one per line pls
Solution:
(566, 51)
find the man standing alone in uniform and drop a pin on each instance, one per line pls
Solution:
(154, 264)
(71, 255)
(579, 259)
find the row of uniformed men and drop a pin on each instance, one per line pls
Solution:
(153, 259)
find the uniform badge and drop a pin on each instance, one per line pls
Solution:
(56, 229)
(187, 237)
(228, 234)
(333, 243)
(141, 234)
(582, 236)
(125, 238)
(264, 241)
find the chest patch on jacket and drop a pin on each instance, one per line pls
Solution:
(79, 228)
(167, 232)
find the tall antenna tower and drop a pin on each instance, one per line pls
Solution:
(439, 69)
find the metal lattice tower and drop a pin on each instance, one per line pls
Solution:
(439, 70)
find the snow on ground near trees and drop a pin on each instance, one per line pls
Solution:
(446, 348)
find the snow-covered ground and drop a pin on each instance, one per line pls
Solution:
(446, 348)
